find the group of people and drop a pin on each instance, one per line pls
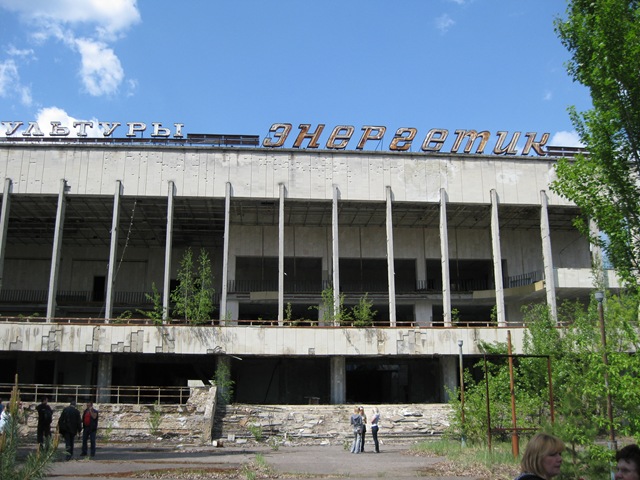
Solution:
(359, 424)
(70, 424)
(542, 459)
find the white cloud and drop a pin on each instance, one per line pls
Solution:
(101, 70)
(566, 139)
(110, 17)
(444, 23)
(547, 95)
(45, 116)
(10, 84)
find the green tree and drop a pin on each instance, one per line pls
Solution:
(603, 38)
(193, 297)
(36, 465)
(580, 395)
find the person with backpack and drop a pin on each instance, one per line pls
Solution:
(45, 416)
(89, 429)
(69, 425)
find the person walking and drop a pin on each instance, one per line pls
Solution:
(356, 423)
(375, 423)
(364, 427)
(45, 416)
(89, 429)
(69, 425)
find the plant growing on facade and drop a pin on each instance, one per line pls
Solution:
(328, 311)
(222, 380)
(193, 297)
(36, 465)
(362, 313)
(156, 314)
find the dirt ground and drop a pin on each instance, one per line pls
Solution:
(176, 461)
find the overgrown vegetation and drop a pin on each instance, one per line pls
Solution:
(36, 465)
(222, 380)
(157, 312)
(579, 392)
(193, 297)
(155, 418)
(603, 38)
(360, 315)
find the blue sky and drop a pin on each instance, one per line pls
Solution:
(238, 67)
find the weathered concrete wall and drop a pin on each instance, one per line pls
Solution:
(258, 173)
(247, 340)
(125, 422)
(329, 424)
(292, 424)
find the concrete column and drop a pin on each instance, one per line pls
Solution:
(113, 252)
(281, 256)
(497, 259)
(166, 289)
(444, 254)
(55, 255)
(450, 368)
(547, 257)
(225, 254)
(4, 224)
(105, 371)
(338, 372)
(424, 313)
(391, 274)
(335, 254)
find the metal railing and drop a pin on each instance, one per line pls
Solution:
(137, 395)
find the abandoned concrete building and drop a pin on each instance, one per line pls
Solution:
(446, 246)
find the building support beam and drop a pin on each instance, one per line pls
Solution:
(497, 259)
(56, 251)
(449, 375)
(281, 255)
(166, 288)
(391, 274)
(225, 254)
(113, 252)
(547, 256)
(338, 372)
(4, 224)
(444, 255)
(105, 372)
(335, 260)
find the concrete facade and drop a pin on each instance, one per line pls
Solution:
(447, 247)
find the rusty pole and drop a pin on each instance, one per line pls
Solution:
(514, 433)
(603, 337)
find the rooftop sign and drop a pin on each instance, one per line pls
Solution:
(464, 141)
(404, 138)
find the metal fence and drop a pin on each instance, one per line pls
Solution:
(137, 395)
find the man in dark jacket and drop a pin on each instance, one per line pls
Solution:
(69, 425)
(45, 415)
(89, 428)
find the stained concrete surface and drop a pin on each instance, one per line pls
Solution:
(309, 462)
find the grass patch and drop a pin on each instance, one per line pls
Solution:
(498, 464)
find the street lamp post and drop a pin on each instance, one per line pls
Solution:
(462, 437)
(603, 337)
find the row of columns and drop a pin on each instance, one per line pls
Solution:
(444, 250)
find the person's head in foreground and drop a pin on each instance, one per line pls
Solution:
(543, 456)
(628, 459)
